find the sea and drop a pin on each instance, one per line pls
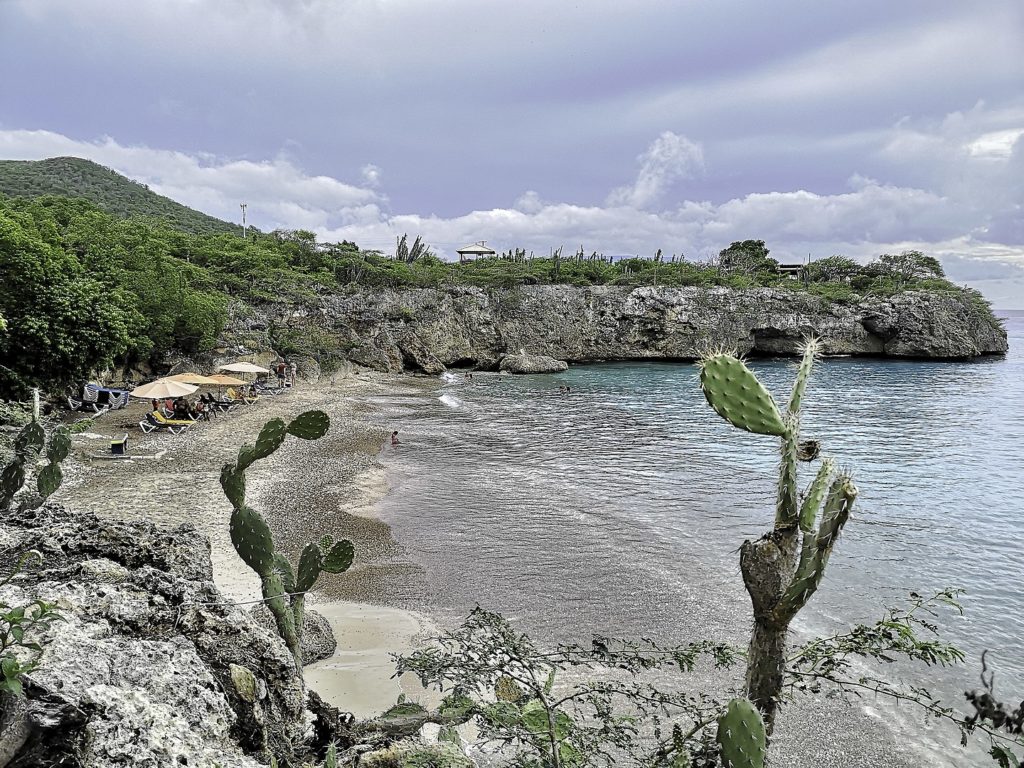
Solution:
(619, 508)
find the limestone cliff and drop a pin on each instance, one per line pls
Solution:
(430, 329)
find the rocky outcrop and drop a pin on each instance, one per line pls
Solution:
(430, 329)
(524, 363)
(150, 666)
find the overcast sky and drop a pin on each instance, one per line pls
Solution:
(854, 128)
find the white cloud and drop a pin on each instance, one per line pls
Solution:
(371, 175)
(669, 158)
(278, 193)
(870, 218)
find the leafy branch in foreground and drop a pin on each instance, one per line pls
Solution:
(20, 654)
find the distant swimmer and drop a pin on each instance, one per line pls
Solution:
(562, 389)
(394, 437)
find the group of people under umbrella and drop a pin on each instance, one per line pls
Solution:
(173, 411)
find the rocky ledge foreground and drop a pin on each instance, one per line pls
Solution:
(431, 329)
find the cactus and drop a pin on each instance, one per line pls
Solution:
(783, 568)
(741, 735)
(283, 589)
(29, 443)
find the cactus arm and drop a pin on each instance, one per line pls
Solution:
(338, 557)
(816, 549)
(311, 425)
(738, 397)
(815, 496)
(11, 480)
(803, 375)
(274, 593)
(787, 514)
(30, 438)
(232, 480)
(741, 735)
(60, 445)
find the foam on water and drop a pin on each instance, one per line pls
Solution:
(451, 401)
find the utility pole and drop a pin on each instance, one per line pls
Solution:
(243, 207)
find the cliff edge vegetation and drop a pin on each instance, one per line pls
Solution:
(85, 290)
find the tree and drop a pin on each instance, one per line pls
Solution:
(62, 323)
(747, 257)
(833, 269)
(908, 266)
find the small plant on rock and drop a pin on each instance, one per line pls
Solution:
(284, 589)
(28, 446)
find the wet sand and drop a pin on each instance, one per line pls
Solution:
(305, 489)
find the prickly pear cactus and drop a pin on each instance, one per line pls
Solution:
(783, 569)
(738, 397)
(741, 735)
(283, 589)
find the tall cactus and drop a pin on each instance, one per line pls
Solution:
(783, 568)
(283, 591)
(28, 445)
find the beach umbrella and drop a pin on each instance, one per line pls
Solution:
(192, 378)
(163, 388)
(223, 380)
(244, 367)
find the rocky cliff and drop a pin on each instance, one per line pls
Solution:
(430, 329)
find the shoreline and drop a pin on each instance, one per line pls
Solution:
(305, 490)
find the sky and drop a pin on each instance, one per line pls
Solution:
(622, 127)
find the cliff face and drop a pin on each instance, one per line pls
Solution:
(431, 329)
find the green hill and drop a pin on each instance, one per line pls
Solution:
(114, 193)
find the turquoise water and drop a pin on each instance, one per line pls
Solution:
(619, 508)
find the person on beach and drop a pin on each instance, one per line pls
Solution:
(394, 437)
(281, 367)
(293, 369)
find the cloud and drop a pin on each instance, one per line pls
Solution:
(868, 218)
(278, 193)
(669, 158)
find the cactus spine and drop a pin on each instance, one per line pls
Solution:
(283, 592)
(29, 444)
(783, 568)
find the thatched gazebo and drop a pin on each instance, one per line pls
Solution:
(468, 252)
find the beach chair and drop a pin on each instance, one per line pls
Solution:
(118, 400)
(91, 398)
(155, 420)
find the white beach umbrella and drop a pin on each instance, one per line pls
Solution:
(163, 388)
(244, 367)
(192, 378)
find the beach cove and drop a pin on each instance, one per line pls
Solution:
(487, 476)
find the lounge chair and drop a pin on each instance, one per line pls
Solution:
(156, 420)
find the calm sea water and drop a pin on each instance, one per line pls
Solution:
(620, 507)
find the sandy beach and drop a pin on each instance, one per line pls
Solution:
(304, 490)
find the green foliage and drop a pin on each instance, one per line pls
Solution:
(20, 654)
(250, 535)
(748, 257)
(29, 444)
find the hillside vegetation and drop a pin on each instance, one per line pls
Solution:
(109, 190)
(84, 289)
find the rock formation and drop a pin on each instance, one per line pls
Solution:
(429, 329)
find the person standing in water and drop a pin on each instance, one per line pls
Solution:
(394, 437)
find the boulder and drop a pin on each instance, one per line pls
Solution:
(524, 363)
(151, 666)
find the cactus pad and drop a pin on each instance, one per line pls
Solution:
(815, 495)
(60, 445)
(339, 557)
(49, 480)
(284, 571)
(30, 438)
(269, 440)
(741, 735)
(252, 540)
(311, 425)
(738, 397)
(11, 480)
(232, 480)
(309, 568)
